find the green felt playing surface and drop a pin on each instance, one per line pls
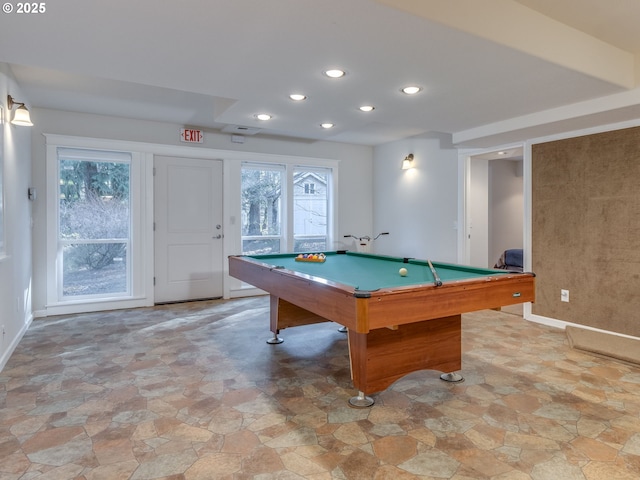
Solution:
(369, 272)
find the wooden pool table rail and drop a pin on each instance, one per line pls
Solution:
(364, 311)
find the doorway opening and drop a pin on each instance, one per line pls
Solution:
(495, 205)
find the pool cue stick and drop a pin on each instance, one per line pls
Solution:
(436, 277)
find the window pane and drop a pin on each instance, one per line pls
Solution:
(310, 207)
(260, 246)
(261, 208)
(94, 269)
(310, 244)
(94, 200)
(94, 221)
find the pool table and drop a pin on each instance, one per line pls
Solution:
(396, 324)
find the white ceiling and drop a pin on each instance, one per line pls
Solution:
(613, 21)
(213, 63)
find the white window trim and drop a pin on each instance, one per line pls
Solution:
(141, 175)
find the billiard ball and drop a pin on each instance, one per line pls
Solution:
(403, 272)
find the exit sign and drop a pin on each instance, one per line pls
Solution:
(189, 135)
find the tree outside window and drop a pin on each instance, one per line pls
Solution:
(261, 210)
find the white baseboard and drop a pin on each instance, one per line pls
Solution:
(246, 292)
(552, 322)
(14, 344)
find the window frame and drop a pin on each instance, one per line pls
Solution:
(106, 156)
(287, 231)
(141, 176)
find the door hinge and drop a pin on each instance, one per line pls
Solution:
(154, 281)
(154, 226)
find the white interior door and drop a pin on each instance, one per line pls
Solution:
(188, 229)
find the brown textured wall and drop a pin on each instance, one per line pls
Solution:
(586, 229)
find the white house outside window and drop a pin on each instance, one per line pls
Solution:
(310, 209)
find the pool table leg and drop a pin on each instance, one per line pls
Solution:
(452, 377)
(361, 400)
(274, 313)
(275, 340)
(283, 314)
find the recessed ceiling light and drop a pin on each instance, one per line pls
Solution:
(334, 73)
(411, 90)
(263, 116)
(367, 108)
(326, 125)
(297, 97)
(502, 153)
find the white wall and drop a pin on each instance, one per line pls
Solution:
(478, 213)
(355, 177)
(418, 207)
(15, 263)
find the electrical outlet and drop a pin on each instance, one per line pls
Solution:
(564, 295)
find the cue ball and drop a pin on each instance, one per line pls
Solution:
(403, 272)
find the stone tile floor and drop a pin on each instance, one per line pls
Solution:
(192, 391)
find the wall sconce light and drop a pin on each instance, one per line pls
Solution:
(21, 117)
(407, 163)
